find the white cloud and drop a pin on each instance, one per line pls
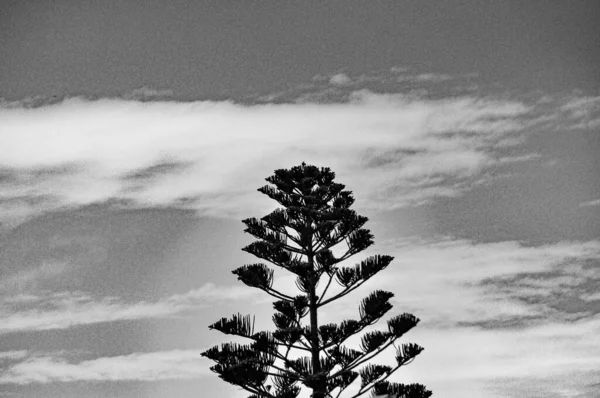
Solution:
(425, 78)
(442, 279)
(581, 107)
(153, 366)
(447, 282)
(12, 355)
(399, 69)
(67, 309)
(145, 92)
(590, 203)
(76, 152)
(439, 282)
(29, 279)
(581, 112)
(480, 358)
(340, 79)
(590, 296)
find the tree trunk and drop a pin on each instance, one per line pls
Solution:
(319, 387)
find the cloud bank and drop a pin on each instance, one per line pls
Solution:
(31, 312)
(478, 329)
(457, 287)
(396, 149)
(153, 366)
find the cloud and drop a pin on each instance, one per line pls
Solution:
(592, 296)
(573, 112)
(568, 354)
(458, 283)
(581, 107)
(12, 355)
(153, 366)
(475, 333)
(147, 93)
(340, 79)
(590, 203)
(67, 309)
(29, 279)
(473, 330)
(425, 78)
(399, 69)
(80, 151)
(448, 283)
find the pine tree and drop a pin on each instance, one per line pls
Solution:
(299, 238)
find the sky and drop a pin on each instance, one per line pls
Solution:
(134, 135)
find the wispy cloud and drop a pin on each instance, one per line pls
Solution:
(147, 93)
(490, 333)
(80, 151)
(425, 78)
(29, 279)
(395, 75)
(461, 283)
(590, 203)
(67, 309)
(397, 147)
(454, 286)
(399, 69)
(585, 111)
(340, 79)
(12, 355)
(567, 354)
(152, 366)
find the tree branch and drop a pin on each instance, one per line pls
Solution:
(378, 380)
(325, 290)
(277, 294)
(343, 293)
(367, 357)
(253, 390)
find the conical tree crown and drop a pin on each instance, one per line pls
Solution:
(298, 237)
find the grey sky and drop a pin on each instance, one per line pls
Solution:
(134, 134)
(204, 49)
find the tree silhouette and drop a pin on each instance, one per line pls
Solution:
(298, 237)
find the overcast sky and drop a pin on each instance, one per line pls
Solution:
(134, 134)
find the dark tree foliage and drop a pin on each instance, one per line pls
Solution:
(315, 216)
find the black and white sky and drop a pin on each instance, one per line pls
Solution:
(134, 134)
